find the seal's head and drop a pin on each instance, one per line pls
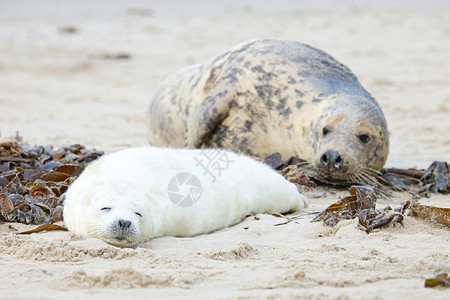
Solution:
(115, 212)
(350, 140)
(118, 213)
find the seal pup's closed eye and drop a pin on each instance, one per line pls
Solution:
(131, 196)
(115, 211)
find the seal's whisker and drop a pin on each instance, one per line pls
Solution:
(362, 179)
(142, 238)
(372, 171)
(110, 196)
(368, 112)
(303, 164)
(368, 179)
(353, 178)
(96, 231)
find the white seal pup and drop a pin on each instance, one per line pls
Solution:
(128, 197)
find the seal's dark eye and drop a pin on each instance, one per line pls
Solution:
(106, 208)
(139, 214)
(325, 131)
(364, 138)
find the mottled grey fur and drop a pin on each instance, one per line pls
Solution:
(267, 96)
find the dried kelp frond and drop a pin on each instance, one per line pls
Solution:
(362, 204)
(370, 221)
(291, 169)
(300, 172)
(401, 181)
(439, 215)
(361, 198)
(297, 176)
(436, 178)
(274, 160)
(344, 209)
(440, 280)
(410, 173)
(44, 227)
(276, 163)
(9, 149)
(33, 180)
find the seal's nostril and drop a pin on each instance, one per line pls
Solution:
(124, 224)
(331, 160)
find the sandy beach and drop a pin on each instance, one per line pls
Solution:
(83, 72)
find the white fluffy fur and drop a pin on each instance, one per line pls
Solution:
(136, 180)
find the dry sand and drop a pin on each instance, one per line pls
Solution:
(60, 84)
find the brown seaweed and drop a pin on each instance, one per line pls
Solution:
(362, 204)
(401, 181)
(33, 180)
(275, 162)
(440, 215)
(343, 209)
(440, 280)
(297, 176)
(44, 227)
(436, 178)
(374, 221)
(412, 173)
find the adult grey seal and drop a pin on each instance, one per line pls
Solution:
(269, 95)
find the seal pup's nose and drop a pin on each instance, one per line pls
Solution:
(331, 160)
(124, 224)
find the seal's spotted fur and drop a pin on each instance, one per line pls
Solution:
(268, 96)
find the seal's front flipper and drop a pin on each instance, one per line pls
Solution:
(206, 118)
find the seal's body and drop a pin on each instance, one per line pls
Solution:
(268, 96)
(133, 195)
